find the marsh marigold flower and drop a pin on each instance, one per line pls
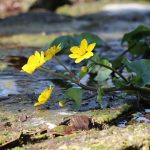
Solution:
(44, 96)
(84, 51)
(50, 53)
(35, 61)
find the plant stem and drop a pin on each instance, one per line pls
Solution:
(112, 69)
(55, 74)
(86, 87)
(70, 73)
(143, 90)
(67, 78)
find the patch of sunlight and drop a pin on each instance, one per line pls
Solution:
(26, 4)
(8, 87)
(83, 8)
(28, 40)
(3, 65)
(126, 7)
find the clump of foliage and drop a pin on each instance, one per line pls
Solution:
(82, 50)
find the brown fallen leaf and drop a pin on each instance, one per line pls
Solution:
(81, 122)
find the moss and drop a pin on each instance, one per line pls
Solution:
(107, 115)
(98, 147)
(18, 148)
(39, 137)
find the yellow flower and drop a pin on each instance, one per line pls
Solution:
(44, 96)
(34, 62)
(84, 51)
(50, 53)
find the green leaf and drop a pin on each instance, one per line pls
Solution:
(96, 58)
(140, 32)
(102, 72)
(138, 40)
(76, 95)
(141, 68)
(117, 62)
(67, 41)
(100, 95)
(77, 104)
(82, 74)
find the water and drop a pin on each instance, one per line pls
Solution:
(19, 91)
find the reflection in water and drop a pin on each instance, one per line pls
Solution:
(8, 87)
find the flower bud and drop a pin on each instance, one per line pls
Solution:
(84, 69)
(61, 104)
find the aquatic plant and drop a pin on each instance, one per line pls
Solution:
(82, 49)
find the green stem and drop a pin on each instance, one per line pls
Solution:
(86, 87)
(112, 69)
(143, 90)
(67, 78)
(55, 74)
(70, 73)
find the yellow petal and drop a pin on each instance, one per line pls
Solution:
(88, 55)
(50, 53)
(79, 59)
(37, 54)
(74, 49)
(29, 69)
(31, 59)
(91, 47)
(74, 56)
(44, 96)
(37, 104)
(83, 44)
